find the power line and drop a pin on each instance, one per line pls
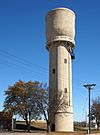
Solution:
(19, 60)
(25, 69)
(28, 69)
(23, 61)
(28, 65)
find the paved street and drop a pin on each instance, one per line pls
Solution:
(22, 133)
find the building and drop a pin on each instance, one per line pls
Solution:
(60, 33)
(5, 121)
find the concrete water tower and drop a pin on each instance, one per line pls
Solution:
(60, 33)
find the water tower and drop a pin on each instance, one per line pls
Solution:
(60, 33)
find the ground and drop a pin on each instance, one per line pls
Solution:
(22, 133)
(39, 133)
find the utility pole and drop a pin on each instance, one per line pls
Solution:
(89, 87)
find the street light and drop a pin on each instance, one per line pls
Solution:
(89, 87)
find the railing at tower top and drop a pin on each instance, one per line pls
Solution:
(72, 55)
(70, 49)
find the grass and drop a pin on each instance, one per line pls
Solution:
(41, 127)
(35, 125)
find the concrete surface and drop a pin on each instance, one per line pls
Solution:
(60, 34)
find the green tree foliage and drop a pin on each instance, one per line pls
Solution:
(95, 111)
(28, 99)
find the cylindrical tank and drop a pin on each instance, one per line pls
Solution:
(60, 25)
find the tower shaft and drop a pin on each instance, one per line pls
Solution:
(60, 82)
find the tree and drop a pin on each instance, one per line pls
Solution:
(30, 101)
(24, 98)
(95, 111)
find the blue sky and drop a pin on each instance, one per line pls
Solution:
(22, 46)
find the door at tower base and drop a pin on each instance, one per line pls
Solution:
(64, 122)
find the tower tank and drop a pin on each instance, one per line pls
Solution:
(60, 34)
(60, 25)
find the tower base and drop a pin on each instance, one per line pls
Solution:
(64, 122)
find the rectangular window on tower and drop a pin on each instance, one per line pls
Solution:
(53, 71)
(65, 90)
(65, 60)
